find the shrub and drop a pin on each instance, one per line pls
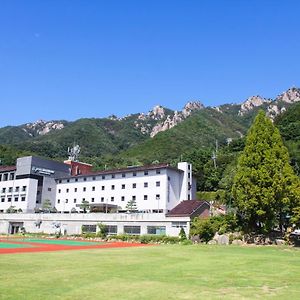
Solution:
(182, 234)
(102, 230)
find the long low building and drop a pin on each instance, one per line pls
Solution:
(117, 223)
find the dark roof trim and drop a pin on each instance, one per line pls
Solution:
(125, 170)
(7, 168)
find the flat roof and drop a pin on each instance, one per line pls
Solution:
(125, 170)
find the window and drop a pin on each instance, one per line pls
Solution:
(112, 187)
(157, 183)
(68, 180)
(103, 176)
(113, 176)
(17, 189)
(157, 197)
(9, 199)
(123, 186)
(112, 229)
(16, 199)
(84, 179)
(158, 230)
(83, 199)
(145, 197)
(93, 188)
(134, 174)
(88, 228)
(24, 188)
(59, 191)
(58, 200)
(94, 178)
(67, 190)
(133, 197)
(134, 185)
(84, 189)
(122, 198)
(75, 200)
(178, 224)
(145, 184)
(123, 175)
(3, 190)
(76, 179)
(189, 175)
(157, 171)
(102, 187)
(11, 176)
(66, 201)
(102, 199)
(10, 189)
(2, 199)
(23, 198)
(59, 181)
(112, 199)
(189, 167)
(75, 190)
(132, 229)
(146, 173)
(49, 189)
(93, 199)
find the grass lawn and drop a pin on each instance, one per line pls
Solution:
(155, 272)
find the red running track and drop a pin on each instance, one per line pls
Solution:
(37, 247)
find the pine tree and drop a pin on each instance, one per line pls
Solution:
(265, 188)
(131, 205)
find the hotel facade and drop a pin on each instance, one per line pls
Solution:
(140, 196)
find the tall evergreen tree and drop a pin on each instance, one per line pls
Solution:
(265, 188)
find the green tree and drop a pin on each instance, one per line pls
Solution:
(84, 205)
(265, 188)
(46, 206)
(131, 205)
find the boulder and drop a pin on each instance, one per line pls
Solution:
(237, 242)
(223, 239)
(279, 242)
(212, 242)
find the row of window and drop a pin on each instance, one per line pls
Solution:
(17, 189)
(16, 199)
(103, 177)
(112, 199)
(113, 229)
(123, 186)
(7, 176)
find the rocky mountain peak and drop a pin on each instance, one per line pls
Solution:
(292, 95)
(157, 113)
(190, 107)
(252, 102)
(41, 127)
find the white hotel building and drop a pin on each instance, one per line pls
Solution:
(154, 189)
(161, 194)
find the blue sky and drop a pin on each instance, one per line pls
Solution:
(72, 59)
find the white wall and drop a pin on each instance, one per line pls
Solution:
(151, 191)
(72, 222)
(30, 194)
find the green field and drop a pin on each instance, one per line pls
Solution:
(154, 272)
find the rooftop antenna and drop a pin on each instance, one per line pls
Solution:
(74, 152)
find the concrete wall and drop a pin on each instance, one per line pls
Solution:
(71, 223)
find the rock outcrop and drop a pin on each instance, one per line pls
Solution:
(42, 127)
(251, 103)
